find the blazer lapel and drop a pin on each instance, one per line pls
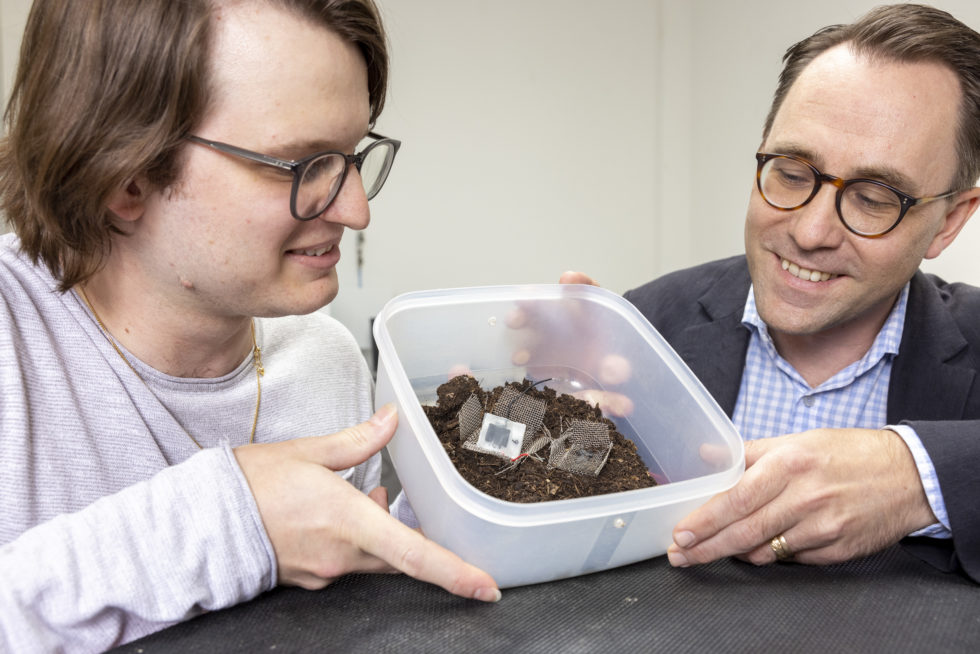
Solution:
(715, 348)
(926, 382)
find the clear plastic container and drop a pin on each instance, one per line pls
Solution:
(583, 338)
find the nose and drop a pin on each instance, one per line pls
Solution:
(816, 224)
(350, 207)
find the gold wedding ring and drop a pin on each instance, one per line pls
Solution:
(780, 548)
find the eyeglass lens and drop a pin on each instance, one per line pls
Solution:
(375, 167)
(865, 207)
(323, 177)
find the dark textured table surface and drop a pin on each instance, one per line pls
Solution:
(887, 602)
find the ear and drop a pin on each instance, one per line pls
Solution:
(957, 215)
(127, 202)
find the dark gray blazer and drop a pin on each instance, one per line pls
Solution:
(934, 386)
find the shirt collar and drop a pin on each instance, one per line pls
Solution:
(887, 341)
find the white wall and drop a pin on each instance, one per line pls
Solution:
(542, 135)
(13, 15)
(530, 147)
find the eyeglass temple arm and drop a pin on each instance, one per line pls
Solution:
(242, 152)
(941, 196)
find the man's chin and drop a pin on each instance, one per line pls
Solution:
(302, 304)
(789, 319)
(317, 305)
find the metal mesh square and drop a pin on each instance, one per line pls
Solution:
(470, 418)
(583, 448)
(511, 405)
(519, 407)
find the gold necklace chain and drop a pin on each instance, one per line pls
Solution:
(256, 363)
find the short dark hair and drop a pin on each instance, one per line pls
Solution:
(906, 33)
(106, 91)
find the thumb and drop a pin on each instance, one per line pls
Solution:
(353, 445)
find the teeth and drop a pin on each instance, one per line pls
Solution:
(803, 273)
(316, 253)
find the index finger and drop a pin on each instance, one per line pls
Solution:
(757, 488)
(410, 552)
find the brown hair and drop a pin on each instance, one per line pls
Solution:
(905, 33)
(106, 90)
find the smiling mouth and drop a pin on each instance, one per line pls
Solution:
(805, 273)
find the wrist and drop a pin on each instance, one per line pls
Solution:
(915, 504)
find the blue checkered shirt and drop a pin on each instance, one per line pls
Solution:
(774, 398)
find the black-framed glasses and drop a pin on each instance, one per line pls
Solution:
(867, 207)
(318, 178)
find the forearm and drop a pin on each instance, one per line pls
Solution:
(186, 541)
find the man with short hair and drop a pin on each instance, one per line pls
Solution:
(825, 329)
(179, 176)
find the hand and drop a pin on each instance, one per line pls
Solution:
(833, 494)
(537, 353)
(541, 347)
(321, 527)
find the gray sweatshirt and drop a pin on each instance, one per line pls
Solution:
(113, 524)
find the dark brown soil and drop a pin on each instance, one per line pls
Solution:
(533, 480)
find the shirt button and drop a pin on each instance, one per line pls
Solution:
(808, 400)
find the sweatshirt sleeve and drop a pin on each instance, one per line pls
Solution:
(186, 541)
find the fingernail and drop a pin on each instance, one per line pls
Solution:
(677, 559)
(384, 414)
(684, 539)
(487, 594)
